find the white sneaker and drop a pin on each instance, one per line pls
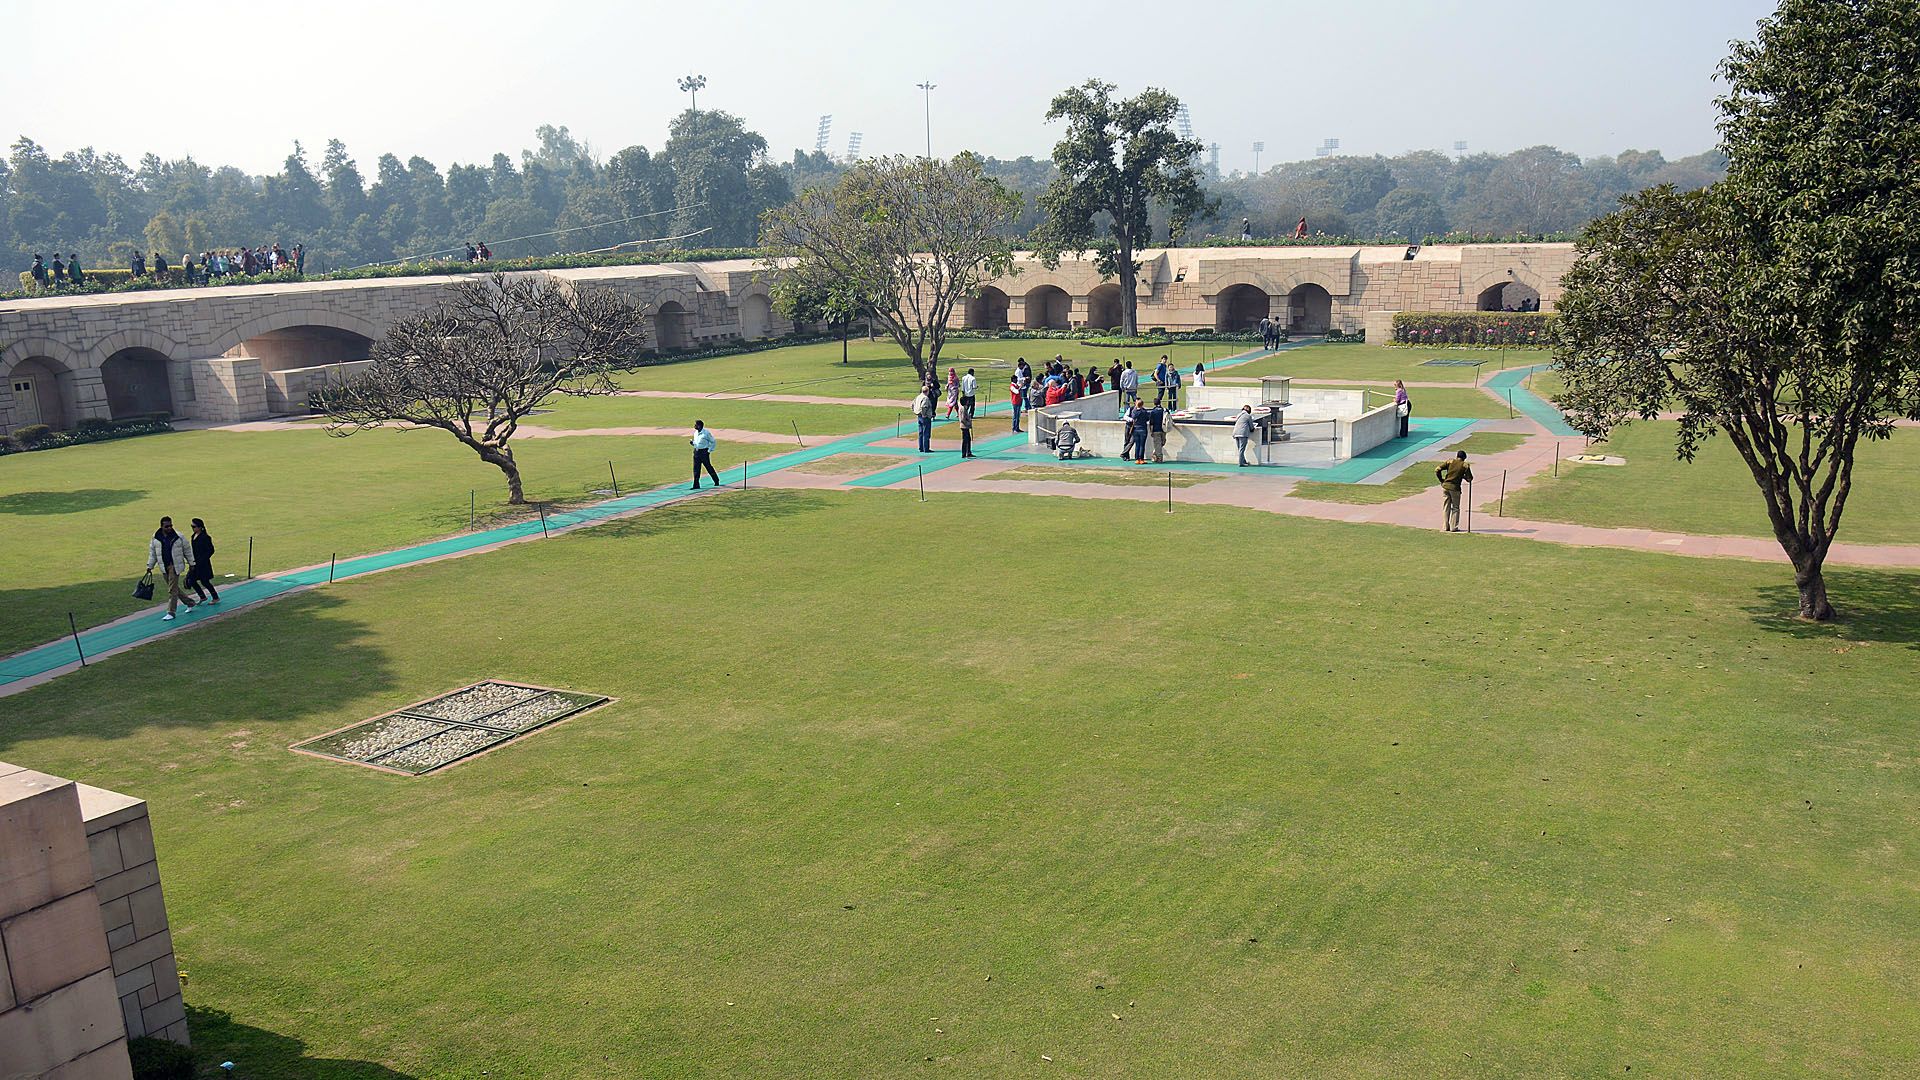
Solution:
(167, 617)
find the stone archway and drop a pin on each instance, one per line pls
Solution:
(1104, 308)
(1240, 307)
(135, 379)
(756, 317)
(1049, 308)
(42, 393)
(1309, 309)
(988, 309)
(670, 327)
(1508, 296)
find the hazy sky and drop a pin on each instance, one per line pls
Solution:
(237, 83)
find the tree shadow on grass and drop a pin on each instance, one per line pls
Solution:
(260, 1055)
(66, 502)
(1878, 606)
(751, 505)
(289, 659)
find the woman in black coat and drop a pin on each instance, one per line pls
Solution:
(200, 575)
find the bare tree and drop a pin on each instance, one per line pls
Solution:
(478, 364)
(917, 236)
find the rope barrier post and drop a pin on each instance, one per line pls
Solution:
(921, 471)
(1502, 512)
(1556, 459)
(796, 434)
(614, 478)
(331, 559)
(1469, 506)
(1169, 491)
(75, 627)
(472, 501)
(744, 463)
(1509, 404)
(542, 507)
(249, 558)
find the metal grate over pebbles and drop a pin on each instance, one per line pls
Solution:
(456, 725)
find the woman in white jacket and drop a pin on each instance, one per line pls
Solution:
(168, 551)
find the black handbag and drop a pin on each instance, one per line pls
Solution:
(143, 589)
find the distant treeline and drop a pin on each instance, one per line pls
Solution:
(706, 188)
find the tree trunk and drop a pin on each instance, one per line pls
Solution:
(1812, 584)
(1129, 305)
(502, 459)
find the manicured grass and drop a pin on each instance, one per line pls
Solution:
(773, 416)
(1418, 477)
(1364, 818)
(881, 370)
(79, 518)
(984, 428)
(1384, 362)
(1116, 477)
(1715, 494)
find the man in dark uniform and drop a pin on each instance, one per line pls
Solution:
(1451, 475)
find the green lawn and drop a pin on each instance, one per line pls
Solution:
(1114, 477)
(1417, 478)
(79, 518)
(1715, 494)
(881, 370)
(774, 416)
(1605, 810)
(1384, 363)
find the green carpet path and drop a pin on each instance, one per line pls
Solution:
(1511, 385)
(147, 626)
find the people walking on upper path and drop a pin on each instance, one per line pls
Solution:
(168, 551)
(1451, 475)
(923, 418)
(953, 393)
(1403, 405)
(702, 443)
(76, 276)
(200, 574)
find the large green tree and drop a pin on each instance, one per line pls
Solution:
(916, 236)
(1119, 159)
(1781, 306)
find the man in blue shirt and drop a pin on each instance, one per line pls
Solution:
(702, 443)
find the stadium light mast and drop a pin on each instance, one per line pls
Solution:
(691, 85)
(926, 92)
(1258, 149)
(821, 135)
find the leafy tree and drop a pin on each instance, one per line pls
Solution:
(917, 236)
(494, 353)
(1412, 214)
(164, 235)
(1118, 160)
(710, 154)
(1780, 306)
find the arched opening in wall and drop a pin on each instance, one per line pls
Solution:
(136, 383)
(670, 327)
(1240, 307)
(988, 309)
(304, 347)
(1509, 296)
(42, 389)
(1309, 310)
(756, 317)
(1049, 308)
(1104, 307)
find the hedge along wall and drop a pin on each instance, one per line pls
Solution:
(1488, 328)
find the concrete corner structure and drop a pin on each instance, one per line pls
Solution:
(86, 960)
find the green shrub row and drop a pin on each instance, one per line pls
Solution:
(90, 430)
(1387, 241)
(1496, 329)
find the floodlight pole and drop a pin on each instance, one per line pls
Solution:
(926, 92)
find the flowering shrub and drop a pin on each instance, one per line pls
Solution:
(1491, 329)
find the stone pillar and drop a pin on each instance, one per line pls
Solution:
(90, 395)
(126, 875)
(59, 1015)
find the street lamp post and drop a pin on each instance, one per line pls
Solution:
(926, 92)
(691, 85)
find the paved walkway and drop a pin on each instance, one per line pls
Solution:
(790, 399)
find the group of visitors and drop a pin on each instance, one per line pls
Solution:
(1529, 303)
(245, 261)
(478, 254)
(1059, 383)
(62, 274)
(1272, 332)
(962, 398)
(1167, 382)
(184, 563)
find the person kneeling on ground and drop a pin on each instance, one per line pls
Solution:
(1067, 440)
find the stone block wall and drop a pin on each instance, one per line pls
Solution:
(59, 1012)
(226, 389)
(289, 390)
(133, 914)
